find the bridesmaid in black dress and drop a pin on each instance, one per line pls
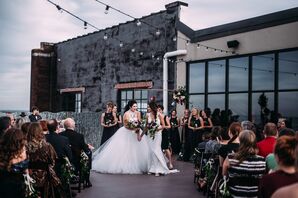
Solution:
(207, 121)
(165, 142)
(186, 140)
(108, 121)
(118, 116)
(195, 124)
(174, 133)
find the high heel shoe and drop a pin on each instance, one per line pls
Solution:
(171, 167)
(157, 175)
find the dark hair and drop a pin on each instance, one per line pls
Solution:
(248, 145)
(52, 125)
(285, 150)
(287, 132)
(25, 128)
(43, 124)
(224, 134)
(4, 124)
(235, 129)
(35, 132)
(129, 105)
(34, 108)
(270, 129)
(11, 145)
(110, 104)
(215, 132)
(153, 106)
(160, 106)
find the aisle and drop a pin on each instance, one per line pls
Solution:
(143, 186)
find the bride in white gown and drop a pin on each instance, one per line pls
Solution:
(125, 152)
(158, 163)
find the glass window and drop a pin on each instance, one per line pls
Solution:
(288, 70)
(196, 101)
(287, 104)
(216, 101)
(256, 109)
(78, 102)
(216, 75)
(263, 72)
(238, 103)
(238, 74)
(197, 78)
(139, 95)
(129, 95)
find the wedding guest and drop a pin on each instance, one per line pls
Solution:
(266, 146)
(25, 128)
(284, 152)
(213, 144)
(13, 164)
(12, 119)
(19, 122)
(244, 168)
(39, 151)
(43, 124)
(233, 143)
(34, 117)
(215, 117)
(165, 142)
(108, 121)
(186, 139)
(207, 121)
(174, 132)
(4, 124)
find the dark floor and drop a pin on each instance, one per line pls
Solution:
(144, 186)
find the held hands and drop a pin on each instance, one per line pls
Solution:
(90, 146)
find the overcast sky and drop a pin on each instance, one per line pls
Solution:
(26, 23)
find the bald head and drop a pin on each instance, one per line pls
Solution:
(69, 123)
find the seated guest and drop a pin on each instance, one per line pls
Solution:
(213, 144)
(60, 144)
(266, 146)
(233, 143)
(13, 164)
(270, 159)
(77, 143)
(4, 124)
(43, 124)
(284, 152)
(25, 128)
(206, 137)
(40, 151)
(35, 117)
(244, 168)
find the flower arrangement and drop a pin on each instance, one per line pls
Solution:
(67, 172)
(108, 121)
(180, 95)
(152, 128)
(133, 124)
(84, 162)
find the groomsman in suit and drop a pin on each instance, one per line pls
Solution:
(78, 144)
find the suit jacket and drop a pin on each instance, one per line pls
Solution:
(77, 143)
(34, 118)
(60, 144)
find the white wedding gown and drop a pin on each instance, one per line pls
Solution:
(158, 162)
(123, 153)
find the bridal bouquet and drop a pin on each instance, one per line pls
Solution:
(133, 124)
(151, 129)
(180, 95)
(108, 122)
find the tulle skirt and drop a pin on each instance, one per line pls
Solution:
(123, 154)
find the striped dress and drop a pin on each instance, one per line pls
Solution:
(244, 177)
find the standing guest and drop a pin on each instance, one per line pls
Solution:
(207, 121)
(165, 141)
(174, 132)
(284, 152)
(195, 124)
(34, 117)
(39, 151)
(266, 146)
(4, 124)
(108, 121)
(215, 117)
(186, 139)
(118, 116)
(233, 143)
(13, 164)
(77, 143)
(244, 168)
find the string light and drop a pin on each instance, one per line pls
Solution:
(107, 9)
(174, 38)
(133, 50)
(141, 53)
(105, 37)
(139, 23)
(157, 32)
(120, 44)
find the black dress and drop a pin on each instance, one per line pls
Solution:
(12, 182)
(206, 123)
(195, 135)
(186, 138)
(165, 141)
(174, 136)
(108, 131)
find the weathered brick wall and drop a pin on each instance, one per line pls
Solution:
(97, 64)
